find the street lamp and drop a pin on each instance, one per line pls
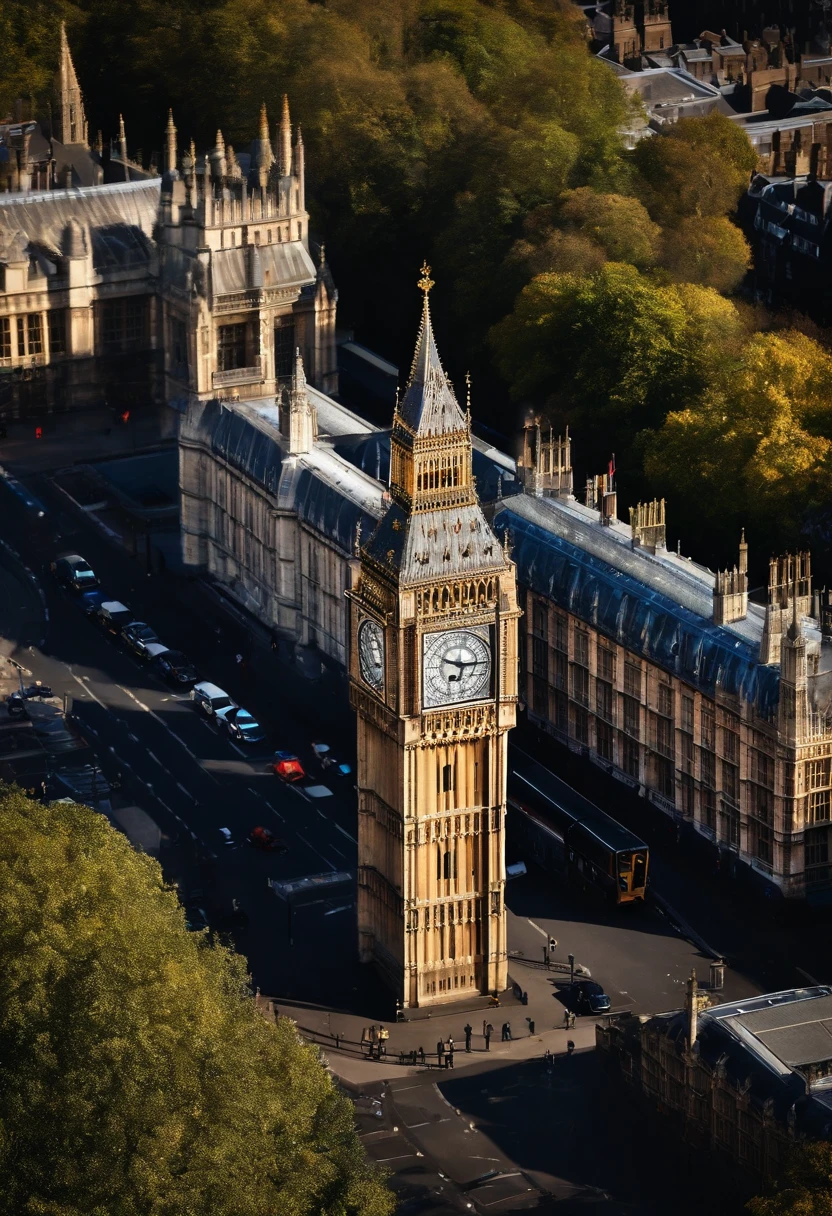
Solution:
(571, 958)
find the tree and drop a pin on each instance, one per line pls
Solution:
(700, 168)
(614, 349)
(806, 1189)
(619, 225)
(710, 250)
(759, 440)
(135, 1073)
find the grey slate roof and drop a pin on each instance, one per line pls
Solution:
(429, 406)
(42, 217)
(285, 264)
(660, 607)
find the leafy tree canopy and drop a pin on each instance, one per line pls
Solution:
(136, 1075)
(759, 439)
(807, 1188)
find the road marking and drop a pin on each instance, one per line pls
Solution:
(534, 926)
(87, 689)
(181, 787)
(400, 1157)
(268, 804)
(156, 759)
(314, 850)
(172, 733)
(403, 1088)
(412, 1126)
(338, 828)
(343, 908)
(298, 790)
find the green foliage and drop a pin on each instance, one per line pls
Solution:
(136, 1075)
(700, 168)
(807, 1187)
(711, 251)
(760, 437)
(619, 349)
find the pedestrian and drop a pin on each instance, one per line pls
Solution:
(421, 1055)
(570, 1046)
(413, 1056)
(508, 1031)
(337, 1041)
(383, 1036)
(504, 1032)
(440, 1054)
(547, 1056)
(566, 1019)
(401, 1057)
(571, 1020)
(531, 1025)
(484, 1024)
(489, 1030)
(468, 1031)
(450, 1053)
(546, 956)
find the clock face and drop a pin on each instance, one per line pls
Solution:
(456, 666)
(371, 654)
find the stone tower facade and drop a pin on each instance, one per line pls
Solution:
(433, 681)
(239, 292)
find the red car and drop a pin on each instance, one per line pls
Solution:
(287, 767)
(262, 838)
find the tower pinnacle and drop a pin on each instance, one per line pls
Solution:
(71, 125)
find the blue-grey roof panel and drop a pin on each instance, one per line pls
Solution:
(640, 618)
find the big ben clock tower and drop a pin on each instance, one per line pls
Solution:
(433, 681)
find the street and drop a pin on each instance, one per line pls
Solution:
(539, 1130)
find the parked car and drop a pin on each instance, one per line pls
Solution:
(172, 665)
(585, 996)
(74, 572)
(287, 767)
(91, 601)
(328, 762)
(239, 724)
(112, 616)
(262, 838)
(209, 698)
(137, 636)
(155, 650)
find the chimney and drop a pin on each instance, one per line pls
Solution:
(545, 466)
(692, 1009)
(731, 590)
(648, 526)
(789, 593)
(814, 162)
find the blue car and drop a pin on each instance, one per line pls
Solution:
(239, 725)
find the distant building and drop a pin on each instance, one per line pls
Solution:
(787, 220)
(742, 1082)
(150, 289)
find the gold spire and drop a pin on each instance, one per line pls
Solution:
(426, 282)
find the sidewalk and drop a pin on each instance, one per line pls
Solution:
(339, 1035)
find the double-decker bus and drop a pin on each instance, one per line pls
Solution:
(560, 828)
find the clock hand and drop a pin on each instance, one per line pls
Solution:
(459, 663)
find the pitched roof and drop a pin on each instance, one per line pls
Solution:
(429, 406)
